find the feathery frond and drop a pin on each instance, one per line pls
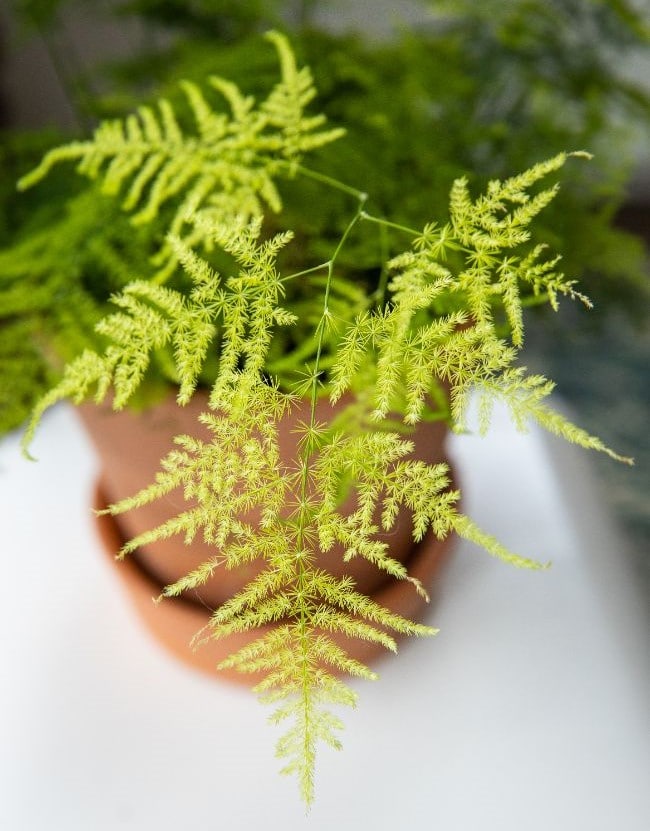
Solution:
(479, 262)
(243, 308)
(525, 396)
(227, 165)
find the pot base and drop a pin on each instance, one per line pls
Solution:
(175, 621)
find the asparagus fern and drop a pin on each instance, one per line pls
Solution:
(448, 315)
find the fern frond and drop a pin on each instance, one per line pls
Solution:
(466, 529)
(381, 487)
(268, 583)
(312, 723)
(411, 344)
(253, 310)
(227, 164)
(224, 478)
(340, 594)
(525, 397)
(287, 102)
(557, 424)
(87, 371)
(244, 309)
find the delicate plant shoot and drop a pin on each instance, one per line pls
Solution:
(226, 166)
(449, 320)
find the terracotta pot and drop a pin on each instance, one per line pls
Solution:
(130, 446)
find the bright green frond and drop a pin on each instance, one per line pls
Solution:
(88, 371)
(465, 528)
(227, 165)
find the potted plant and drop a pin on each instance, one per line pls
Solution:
(252, 330)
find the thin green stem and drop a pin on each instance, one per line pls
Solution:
(293, 167)
(380, 294)
(303, 565)
(319, 267)
(387, 224)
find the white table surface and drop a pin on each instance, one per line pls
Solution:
(528, 711)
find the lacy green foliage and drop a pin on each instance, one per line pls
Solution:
(447, 314)
(538, 75)
(528, 86)
(500, 85)
(239, 473)
(152, 317)
(525, 397)
(61, 276)
(411, 345)
(227, 166)
(444, 318)
(384, 481)
(56, 282)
